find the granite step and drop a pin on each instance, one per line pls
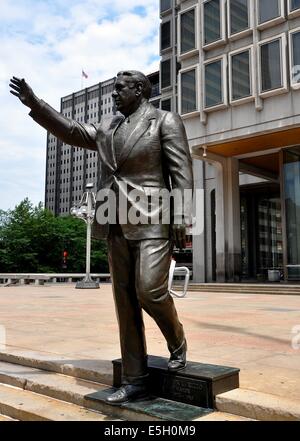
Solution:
(71, 387)
(24, 405)
(6, 418)
(95, 371)
(274, 289)
(82, 394)
(223, 416)
(59, 387)
(258, 405)
(99, 371)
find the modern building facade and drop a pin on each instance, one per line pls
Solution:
(231, 68)
(68, 168)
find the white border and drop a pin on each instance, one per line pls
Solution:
(222, 39)
(166, 49)
(291, 13)
(224, 104)
(294, 85)
(190, 53)
(273, 21)
(251, 97)
(246, 31)
(197, 111)
(283, 47)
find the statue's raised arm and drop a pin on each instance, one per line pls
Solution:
(23, 91)
(68, 130)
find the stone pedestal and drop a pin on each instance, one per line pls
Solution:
(197, 384)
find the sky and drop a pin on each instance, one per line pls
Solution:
(49, 42)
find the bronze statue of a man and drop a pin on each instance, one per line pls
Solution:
(146, 149)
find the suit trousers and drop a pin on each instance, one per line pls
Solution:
(140, 270)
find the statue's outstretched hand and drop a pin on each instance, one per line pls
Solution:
(23, 91)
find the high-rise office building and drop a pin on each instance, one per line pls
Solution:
(231, 68)
(68, 168)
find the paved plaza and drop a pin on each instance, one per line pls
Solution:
(252, 332)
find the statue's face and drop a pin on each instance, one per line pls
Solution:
(124, 95)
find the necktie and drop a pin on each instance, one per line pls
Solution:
(119, 139)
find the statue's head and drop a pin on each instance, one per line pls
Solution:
(131, 88)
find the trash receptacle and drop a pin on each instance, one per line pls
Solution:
(274, 275)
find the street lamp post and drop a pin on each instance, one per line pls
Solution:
(85, 210)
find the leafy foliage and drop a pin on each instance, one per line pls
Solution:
(33, 240)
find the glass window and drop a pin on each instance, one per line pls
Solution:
(271, 69)
(165, 70)
(165, 5)
(155, 89)
(187, 31)
(294, 4)
(291, 174)
(166, 104)
(165, 35)
(295, 43)
(240, 75)
(212, 21)
(188, 91)
(239, 16)
(213, 84)
(268, 10)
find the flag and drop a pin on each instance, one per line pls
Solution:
(84, 74)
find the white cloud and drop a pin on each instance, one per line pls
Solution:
(48, 42)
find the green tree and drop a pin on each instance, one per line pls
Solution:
(32, 239)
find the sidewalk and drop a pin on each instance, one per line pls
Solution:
(251, 332)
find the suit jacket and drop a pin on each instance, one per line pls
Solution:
(155, 156)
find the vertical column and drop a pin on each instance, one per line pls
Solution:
(219, 252)
(232, 220)
(283, 216)
(199, 248)
(220, 224)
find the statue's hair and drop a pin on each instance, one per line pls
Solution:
(138, 77)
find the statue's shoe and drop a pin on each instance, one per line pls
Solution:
(129, 392)
(177, 360)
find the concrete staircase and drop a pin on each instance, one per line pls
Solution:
(38, 387)
(30, 393)
(245, 288)
(258, 406)
(6, 418)
(28, 406)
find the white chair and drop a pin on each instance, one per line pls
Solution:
(180, 270)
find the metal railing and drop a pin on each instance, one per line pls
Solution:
(40, 278)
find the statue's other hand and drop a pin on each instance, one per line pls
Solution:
(179, 232)
(23, 91)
